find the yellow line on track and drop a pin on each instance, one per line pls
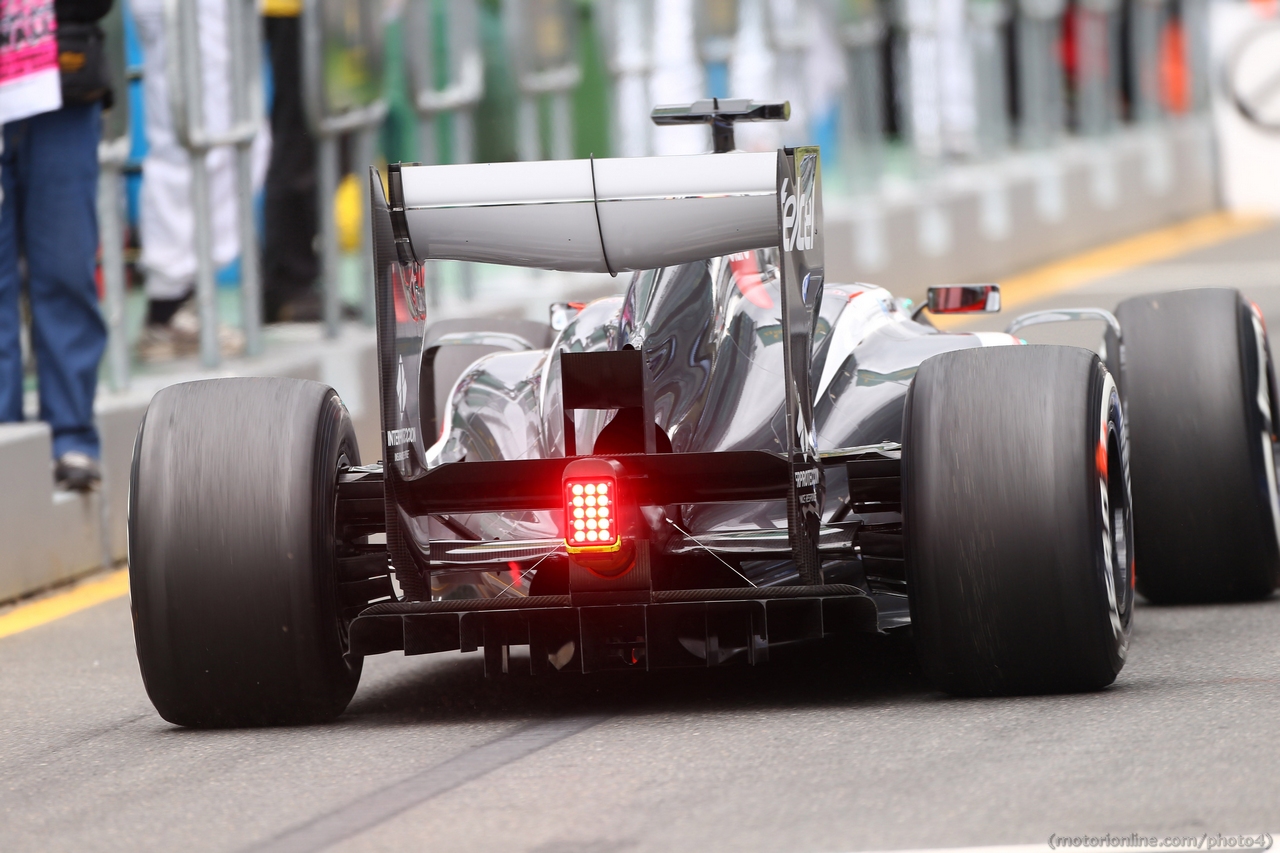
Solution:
(79, 597)
(1147, 248)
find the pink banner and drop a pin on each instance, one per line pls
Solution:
(29, 82)
(27, 41)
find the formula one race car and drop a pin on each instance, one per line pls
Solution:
(735, 455)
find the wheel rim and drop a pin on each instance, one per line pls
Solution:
(1265, 379)
(1117, 516)
(1121, 532)
(343, 624)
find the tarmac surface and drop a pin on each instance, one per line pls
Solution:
(841, 748)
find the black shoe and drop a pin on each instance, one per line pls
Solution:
(304, 308)
(309, 308)
(77, 472)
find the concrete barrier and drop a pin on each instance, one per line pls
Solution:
(51, 536)
(48, 535)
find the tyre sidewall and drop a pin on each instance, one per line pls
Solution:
(231, 545)
(1199, 408)
(1005, 521)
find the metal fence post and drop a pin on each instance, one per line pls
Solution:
(188, 114)
(1097, 87)
(463, 84)
(862, 32)
(1195, 32)
(113, 153)
(1041, 97)
(1147, 17)
(916, 68)
(715, 28)
(543, 36)
(342, 73)
(364, 150)
(244, 33)
(991, 86)
(111, 158)
(628, 29)
(561, 125)
(788, 34)
(206, 285)
(457, 93)
(327, 187)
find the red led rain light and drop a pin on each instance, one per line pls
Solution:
(590, 515)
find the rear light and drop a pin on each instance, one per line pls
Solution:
(591, 515)
(596, 521)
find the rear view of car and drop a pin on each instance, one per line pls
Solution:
(733, 456)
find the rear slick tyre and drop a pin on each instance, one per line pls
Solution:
(231, 553)
(1199, 394)
(1016, 521)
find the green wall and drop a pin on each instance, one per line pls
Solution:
(496, 115)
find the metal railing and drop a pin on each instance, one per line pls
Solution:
(1085, 68)
(715, 30)
(446, 72)
(187, 104)
(1031, 73)
(342, 57)
(627, 29)
(446, 75)
(861, 32)
(543, 35)
(113, 155)
(1098, 80)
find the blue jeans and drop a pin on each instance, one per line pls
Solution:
(49, 174)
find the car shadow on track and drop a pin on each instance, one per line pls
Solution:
(455, 689)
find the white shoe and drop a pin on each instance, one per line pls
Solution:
(180, 338)
(77, 472)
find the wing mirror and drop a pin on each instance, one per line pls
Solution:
(962, 299)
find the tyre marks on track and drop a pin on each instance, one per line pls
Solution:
(385, 803)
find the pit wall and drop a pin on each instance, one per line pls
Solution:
(972, 223)
(980, 223)
(50, 536)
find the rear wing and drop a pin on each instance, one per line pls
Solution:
(607, 215)
(615, 215)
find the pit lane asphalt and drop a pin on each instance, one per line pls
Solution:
(840, 749)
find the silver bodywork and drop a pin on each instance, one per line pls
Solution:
(712, 330)
(747, 348)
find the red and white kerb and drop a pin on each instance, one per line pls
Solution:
(590, 515)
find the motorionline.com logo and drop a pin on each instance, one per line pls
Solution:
(1134, 841)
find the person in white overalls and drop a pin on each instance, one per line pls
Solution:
(166, 221)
